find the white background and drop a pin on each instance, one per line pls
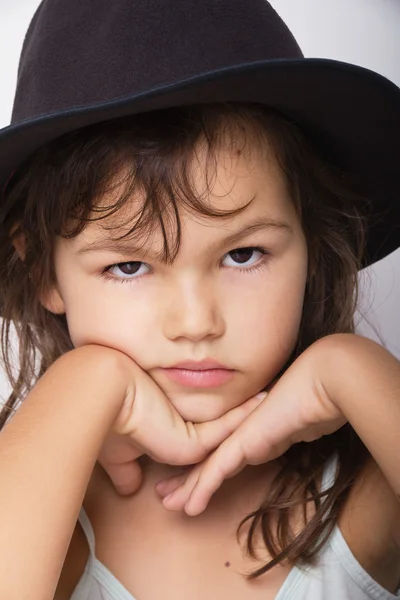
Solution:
(363, 32)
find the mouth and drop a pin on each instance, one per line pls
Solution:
(199, 365)
(207, 373)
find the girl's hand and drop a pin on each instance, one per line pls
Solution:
(297, 409)
(148, 424)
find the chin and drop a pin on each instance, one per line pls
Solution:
(201, 408)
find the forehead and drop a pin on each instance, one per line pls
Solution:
(238, 182)
(225, 180)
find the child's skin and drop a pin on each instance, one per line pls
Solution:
(204, 305)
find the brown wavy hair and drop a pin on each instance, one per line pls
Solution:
(56, 192)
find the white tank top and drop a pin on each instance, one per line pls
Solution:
(337, 574)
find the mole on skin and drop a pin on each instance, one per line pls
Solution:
(227, 564)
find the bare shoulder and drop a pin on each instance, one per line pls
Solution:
(74, 565)
(370, 525)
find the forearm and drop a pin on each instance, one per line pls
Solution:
(363, 380)
(47, 453)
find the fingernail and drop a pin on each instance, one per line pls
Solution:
(261, 395)
(167, 497)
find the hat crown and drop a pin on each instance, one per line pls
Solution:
(82, 52)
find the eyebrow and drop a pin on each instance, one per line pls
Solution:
(257, 225)
(123, 246)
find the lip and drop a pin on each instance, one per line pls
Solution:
(206, 373)
(199, 365)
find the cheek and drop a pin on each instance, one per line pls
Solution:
(269, 319)
(93, 319)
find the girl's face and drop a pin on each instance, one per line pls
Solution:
(233, 294)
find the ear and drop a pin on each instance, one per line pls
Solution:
(18, 240)
(52, 300)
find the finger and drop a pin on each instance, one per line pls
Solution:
(178, 498)
(213, 433)
(228, 460)
(166, 486)
(182, 442)
(125, 477)
(251, 443)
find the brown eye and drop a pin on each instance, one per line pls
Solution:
(246, 257)
(129, 268)
(242, 255)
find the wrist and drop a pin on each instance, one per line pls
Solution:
(92, 375)
(344, 363)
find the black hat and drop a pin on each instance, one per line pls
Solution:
(86, 61)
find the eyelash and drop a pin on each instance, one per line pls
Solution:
(261, 264)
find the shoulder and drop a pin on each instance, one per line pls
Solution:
(370, 524)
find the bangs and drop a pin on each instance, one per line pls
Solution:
(141, 171)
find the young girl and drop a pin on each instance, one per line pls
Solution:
(186, 204)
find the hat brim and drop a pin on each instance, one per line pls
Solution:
(352, 114)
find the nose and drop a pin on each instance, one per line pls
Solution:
(192, 312)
